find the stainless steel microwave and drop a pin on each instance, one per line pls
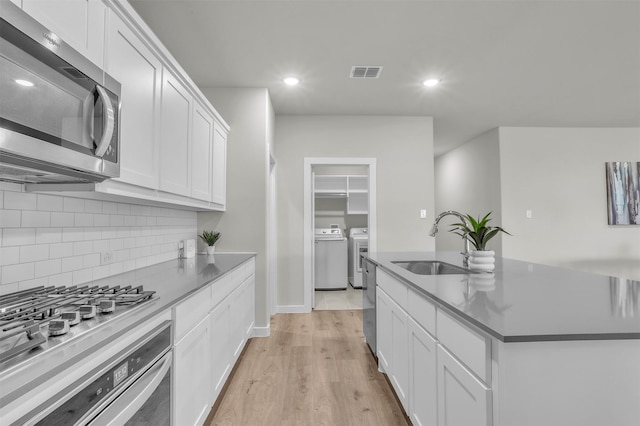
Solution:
(59, 112)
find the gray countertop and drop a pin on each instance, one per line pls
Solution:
(522, 302)
(173, 281)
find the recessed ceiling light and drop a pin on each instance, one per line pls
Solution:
(431, 82)
(24, 83)
(291, 81)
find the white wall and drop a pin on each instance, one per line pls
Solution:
(244, 224)
(468, 181)
(559, 174)
(403, 147)
(55, 240)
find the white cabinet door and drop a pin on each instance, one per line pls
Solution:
(139, 72)
(192, 375)
(462, 398)
(201, 153)
(219, 171)
(175, 126)
(423, 387)
(400, 353)
(220, 346)
(383, 321)
(80, 23)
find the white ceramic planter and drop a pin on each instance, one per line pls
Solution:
(482, 260)
(211, 250)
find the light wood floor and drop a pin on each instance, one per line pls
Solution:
(314, 369)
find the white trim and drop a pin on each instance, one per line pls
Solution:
(308, 232)
(262, 331)
(292, 309)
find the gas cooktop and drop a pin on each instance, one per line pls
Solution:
(39, 318)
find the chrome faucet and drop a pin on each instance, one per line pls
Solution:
(434, 231)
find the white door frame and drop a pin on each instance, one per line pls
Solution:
(309, 163)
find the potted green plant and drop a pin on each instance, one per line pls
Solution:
(210, 238)
(478, 233)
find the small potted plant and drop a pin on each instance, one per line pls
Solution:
(210, 238)
(478, 233)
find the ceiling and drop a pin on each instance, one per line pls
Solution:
(501, 63)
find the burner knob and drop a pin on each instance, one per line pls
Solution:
(107, 306)
(72, 317)
(87, 311)
(58, 327)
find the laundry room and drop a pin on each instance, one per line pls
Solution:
(341, 225)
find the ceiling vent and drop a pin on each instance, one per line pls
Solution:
(365, 72)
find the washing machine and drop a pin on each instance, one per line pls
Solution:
(330, 259)
(358, 244)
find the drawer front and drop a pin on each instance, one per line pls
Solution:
(422, 311)
(394, 288)
(190, 312)
(227, 284)
(470, 347)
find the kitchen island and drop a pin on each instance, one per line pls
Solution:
(528, 344)
(186, 291)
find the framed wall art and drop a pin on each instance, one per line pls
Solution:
(623, 192)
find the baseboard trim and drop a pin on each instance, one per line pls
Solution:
(262, 331)
(292, 309)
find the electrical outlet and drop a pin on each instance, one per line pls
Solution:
(107, 257)
(529, 214)
(423, 214)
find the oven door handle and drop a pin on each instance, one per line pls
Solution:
(125, 406)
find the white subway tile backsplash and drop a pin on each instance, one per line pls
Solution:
(10, 218)
(49, 203)
(82, 248)
(61, 219)
(74, 205)
(72, 234)
(92, 206)
(19, 272)
(18, 236)
(35, 219)
(100, 220)
(9, 255)
(19, 201)
(82, 276)
(48, 235)
(91, 260)
(60, 250)
(48, 267)
(61, 279)
(34, 253)
(53, 240)
(83, 219)
(72, 263)
(109, 207)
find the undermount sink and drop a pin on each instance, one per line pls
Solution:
(430, 267)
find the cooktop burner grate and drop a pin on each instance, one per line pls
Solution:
(29, 318)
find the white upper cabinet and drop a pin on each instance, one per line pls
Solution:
(175, 125)
(80, 23)
(201, 153)
(139, 72)
(219, 172)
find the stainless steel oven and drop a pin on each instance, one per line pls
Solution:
(132, 388)
(59, 113)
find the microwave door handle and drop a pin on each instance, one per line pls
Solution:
(108, 119)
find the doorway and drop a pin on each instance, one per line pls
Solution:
(347, 208)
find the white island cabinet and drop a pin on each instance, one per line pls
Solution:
(212, 328)
(449, 368)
